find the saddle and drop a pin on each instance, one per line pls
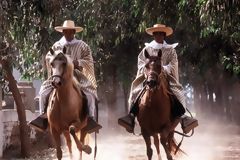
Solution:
(177, 108)
(85, 110)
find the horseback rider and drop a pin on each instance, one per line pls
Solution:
(170, 66)
(81, 55)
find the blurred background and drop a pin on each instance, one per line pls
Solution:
(208, 33)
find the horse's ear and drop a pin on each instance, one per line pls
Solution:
(160, 53)
(51, 51)
(146, 54)
(64, 50)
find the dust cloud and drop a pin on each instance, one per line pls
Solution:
(213, 140)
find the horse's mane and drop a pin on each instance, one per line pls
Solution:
(70, 67)
(65, 112)
(162, 78)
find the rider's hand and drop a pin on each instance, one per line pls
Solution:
(76, 65)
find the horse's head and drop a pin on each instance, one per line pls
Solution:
(153, 68)
(59, 64)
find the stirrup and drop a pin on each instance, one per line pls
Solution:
(127, 122)
(188, 127)
(40, 123)
(92, 126)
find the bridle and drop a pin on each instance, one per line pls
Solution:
(57, 76)
(58, 57)
(152, 76)
(152, 84)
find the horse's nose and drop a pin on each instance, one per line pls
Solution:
(152, 83)
(56, 82)
(59, 83)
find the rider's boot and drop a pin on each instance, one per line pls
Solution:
(175, 122)
(40, 123)
(92, 126)
(128, 121)
(188, 123)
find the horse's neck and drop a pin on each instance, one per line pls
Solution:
(160, 91)
(65, 89)
(153, 97)
(163, 84)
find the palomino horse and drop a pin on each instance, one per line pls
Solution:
(155, 109)
(65, 108)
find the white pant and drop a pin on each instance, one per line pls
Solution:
(43, 99)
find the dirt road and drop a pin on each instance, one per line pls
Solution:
(210, 142)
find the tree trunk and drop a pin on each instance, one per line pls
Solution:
(24, 138)
(212, 105)
(197, 99)
(219, 102)
(204, 101)
(125, 94)
(111, 97)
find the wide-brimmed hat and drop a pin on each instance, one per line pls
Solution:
(68, 24)
(159, 28)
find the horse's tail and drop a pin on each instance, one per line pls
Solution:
(173, 146)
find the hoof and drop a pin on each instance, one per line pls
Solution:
(170, 158)
(87, 149)
(72, 130)
(71, 155)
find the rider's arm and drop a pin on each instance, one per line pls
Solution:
(141, 63)
(85, 57)
(85, 61)
(172, 65)
(47, 59)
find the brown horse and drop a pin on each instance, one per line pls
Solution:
(65, 107)
(155, 109)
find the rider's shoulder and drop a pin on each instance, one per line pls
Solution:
(148, 48)
(169, 50)
(82, 43)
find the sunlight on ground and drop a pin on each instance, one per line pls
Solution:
(206, 144)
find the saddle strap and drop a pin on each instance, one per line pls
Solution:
(134, 108)
(85, 110)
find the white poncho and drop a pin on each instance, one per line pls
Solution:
(80, 51)
(170, 65)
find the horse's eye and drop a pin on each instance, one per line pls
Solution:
(147, 65)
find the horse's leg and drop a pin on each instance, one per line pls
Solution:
(80, 158)
(82, 138)
(72, 129)
(156, 143)
(57, 139)
(69, 142)
(148, 145)
(164, 139)
(83, 135)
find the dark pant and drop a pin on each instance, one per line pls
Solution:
(134, 109)
(177, 108)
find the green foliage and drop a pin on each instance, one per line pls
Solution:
(211, 37)
(208, 31)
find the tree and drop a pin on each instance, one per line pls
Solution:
(14, 40)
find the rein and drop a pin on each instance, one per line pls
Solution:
(51, 77)
(58, 76)
(154, 72)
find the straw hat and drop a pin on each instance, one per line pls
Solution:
(68, 24)
(159, 28)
